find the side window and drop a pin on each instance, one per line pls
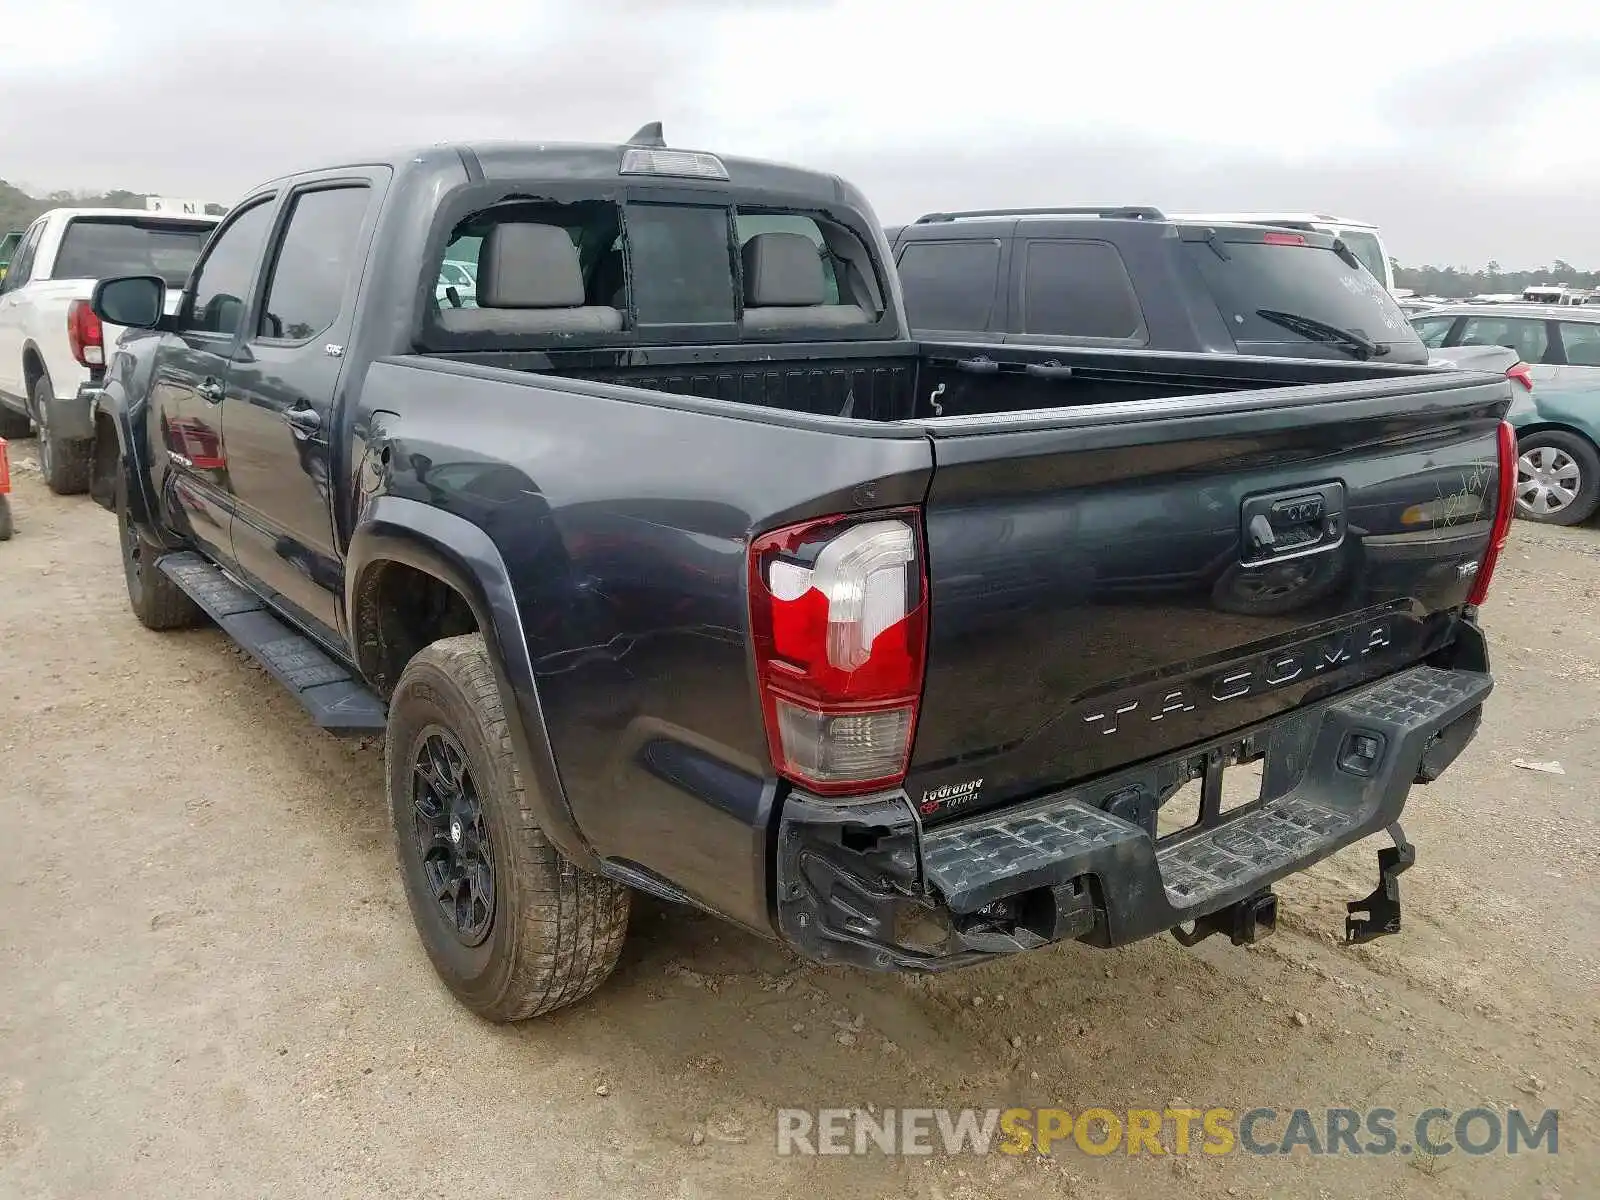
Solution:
(1433, 330)
(1528, 336)
(1079, 289)
(1581, 339)
(22, 265)
(681, 264)
(314, 263)
(224, 279)
(949, 285)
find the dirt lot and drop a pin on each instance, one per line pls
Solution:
(209, 983)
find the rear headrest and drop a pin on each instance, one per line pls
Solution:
(782, 270)
(526, 265)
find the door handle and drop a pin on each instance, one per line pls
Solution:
(210, 391)
(303, 420)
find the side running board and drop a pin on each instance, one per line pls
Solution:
(336, 699)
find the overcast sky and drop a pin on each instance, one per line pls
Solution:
(1467, 133)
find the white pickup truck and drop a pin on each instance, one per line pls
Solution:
(52, 346)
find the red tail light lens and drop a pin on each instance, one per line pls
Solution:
(1284, 239)
(838, 614)
(1522, 373)
(1505, 509)
(85, 335)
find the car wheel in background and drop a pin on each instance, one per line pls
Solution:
(1558, 478)
(64, 463)
(14, 425)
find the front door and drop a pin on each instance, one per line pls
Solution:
(280, 411)
(190, 374)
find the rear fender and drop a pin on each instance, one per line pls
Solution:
(118, 448)
(458, 553)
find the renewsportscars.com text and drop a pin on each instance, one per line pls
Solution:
(1178, 1131)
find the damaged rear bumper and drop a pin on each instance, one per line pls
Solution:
(864, 884)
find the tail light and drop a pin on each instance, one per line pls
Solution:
(5, 469)
(838, 616)
(1505, 509)
(1522, 373)
(84, 334)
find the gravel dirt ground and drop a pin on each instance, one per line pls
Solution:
(209, 983)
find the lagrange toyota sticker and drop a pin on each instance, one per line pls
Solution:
(951, 795)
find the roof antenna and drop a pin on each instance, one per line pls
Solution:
(649, 135)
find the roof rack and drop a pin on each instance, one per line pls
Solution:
(1121, 213)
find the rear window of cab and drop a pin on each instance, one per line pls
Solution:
(597, 272)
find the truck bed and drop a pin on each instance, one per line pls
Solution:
(927, 380)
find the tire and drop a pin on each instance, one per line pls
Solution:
(64, 463)
(14, 425)
(1558, 478)
(6, 526)
(157, 601)
(539, 932)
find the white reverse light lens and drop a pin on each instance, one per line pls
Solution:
(840, 748)
(862, 572)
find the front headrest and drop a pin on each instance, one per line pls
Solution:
(782, 270)
(525, 265)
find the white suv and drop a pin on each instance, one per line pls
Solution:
(52, 347)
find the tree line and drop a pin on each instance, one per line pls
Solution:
(1456, 282)
(18, 209)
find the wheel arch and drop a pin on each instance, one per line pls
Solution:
(33, 368)
(1548, 426)
(398, 533)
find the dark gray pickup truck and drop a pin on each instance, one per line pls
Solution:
(666, 561)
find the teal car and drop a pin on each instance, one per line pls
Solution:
(1555, 356)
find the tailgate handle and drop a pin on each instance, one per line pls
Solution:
(1306, 520)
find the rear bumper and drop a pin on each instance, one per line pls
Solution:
(866, 885)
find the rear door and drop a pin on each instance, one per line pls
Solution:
(955, 288)
(1579, 368)
(279, 411)
(1102, 593)
(1073, 291)
(12, 382)
(189, 375)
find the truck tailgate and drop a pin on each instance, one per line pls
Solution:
(1116, 583)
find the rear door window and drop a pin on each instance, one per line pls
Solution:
(314, 263)
(950, 285)
(1581, 340)
(101, 247)
(22, 265)
(1528, 336)
(1261, 284)
(1079, 290)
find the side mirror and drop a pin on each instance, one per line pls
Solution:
(138, 301)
